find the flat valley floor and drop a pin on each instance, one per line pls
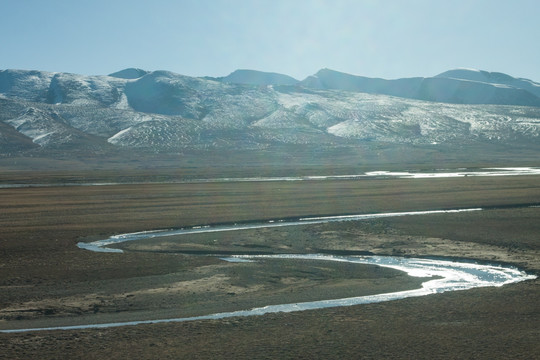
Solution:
(45, 280)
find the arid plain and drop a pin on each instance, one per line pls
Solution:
(46, 280)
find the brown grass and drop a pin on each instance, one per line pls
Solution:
(42, 268)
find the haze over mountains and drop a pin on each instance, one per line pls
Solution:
(161, 111)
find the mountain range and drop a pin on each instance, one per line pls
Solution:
(161, 111)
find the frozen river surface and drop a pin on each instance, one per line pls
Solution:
(406, 174)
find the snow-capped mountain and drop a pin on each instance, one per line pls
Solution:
(455, 86)
(495, 78)
(164, 111)
(252, 77)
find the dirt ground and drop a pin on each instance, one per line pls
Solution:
(45, 280)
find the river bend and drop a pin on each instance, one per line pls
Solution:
(446, 275)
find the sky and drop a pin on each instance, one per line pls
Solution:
(375, 38)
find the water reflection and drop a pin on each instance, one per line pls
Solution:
(447, 276)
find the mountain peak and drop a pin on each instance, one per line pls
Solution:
(254, 77)
(130, 73)
(477, 75)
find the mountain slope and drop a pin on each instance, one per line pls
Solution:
(162, 111)
(25, 85)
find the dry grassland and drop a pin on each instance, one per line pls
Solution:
(46, 279)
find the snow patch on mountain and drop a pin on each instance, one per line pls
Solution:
(117, 138)
(122, 103)
(36, 125)
(279, 119)
(158, 134)
(43, 139)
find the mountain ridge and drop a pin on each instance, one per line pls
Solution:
(161, 111)
(441, 88)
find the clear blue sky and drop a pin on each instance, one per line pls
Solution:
(377, 38)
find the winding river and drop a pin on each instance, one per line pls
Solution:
(446, 275)
(101, 245)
